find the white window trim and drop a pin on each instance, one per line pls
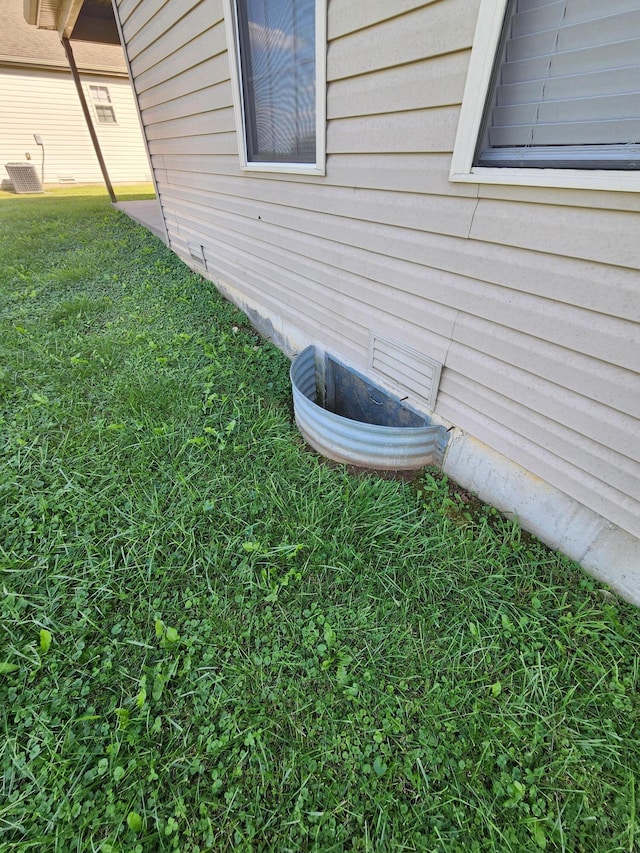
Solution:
(317, 168)
(485, 45)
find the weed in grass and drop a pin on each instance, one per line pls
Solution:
(212, 640)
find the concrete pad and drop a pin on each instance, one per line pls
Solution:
(146, 212)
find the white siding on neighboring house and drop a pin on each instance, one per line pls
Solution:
(47, 103)
(530, 298)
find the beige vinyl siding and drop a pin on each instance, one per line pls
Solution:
(399, 89)
(47, 103)
(432, 30)
(122, 144)
(530, 298)
(349, 17)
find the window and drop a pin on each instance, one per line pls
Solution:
(553, 95)
(101, 100)
(278, 79)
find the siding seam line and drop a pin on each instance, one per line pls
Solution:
(473, 215)
(459, 310)
(451, 337)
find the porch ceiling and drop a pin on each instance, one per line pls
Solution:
(96, 23)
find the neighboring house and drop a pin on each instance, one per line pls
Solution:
(333, 168)
(38, 96)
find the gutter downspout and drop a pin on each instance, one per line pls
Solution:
(87, 115)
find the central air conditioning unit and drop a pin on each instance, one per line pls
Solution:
(24, 178)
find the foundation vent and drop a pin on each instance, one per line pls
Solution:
(196, 251)
(405, 368)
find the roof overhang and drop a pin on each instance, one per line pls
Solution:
(82, 20)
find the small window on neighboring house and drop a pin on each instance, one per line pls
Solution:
(553, 85)
(279, 82)
(101, 99)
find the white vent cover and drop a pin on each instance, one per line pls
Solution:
(405, 368)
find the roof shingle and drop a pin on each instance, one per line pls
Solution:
(23, 44)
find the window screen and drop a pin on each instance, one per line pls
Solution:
(566, 87)
(278, 69)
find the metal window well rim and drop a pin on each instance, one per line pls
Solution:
(356, 442)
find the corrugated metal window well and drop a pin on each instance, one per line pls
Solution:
(348, 418)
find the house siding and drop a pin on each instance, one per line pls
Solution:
(46, 102)
(530, 298)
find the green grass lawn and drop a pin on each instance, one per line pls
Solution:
(210, 639)
(129, 192)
